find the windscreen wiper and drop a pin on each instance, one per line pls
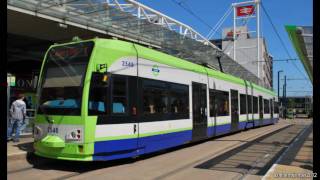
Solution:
(50, 121)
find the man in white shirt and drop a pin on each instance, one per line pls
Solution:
(18, 114)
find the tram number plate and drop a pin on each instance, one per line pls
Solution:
(53, 130)
(127, 63)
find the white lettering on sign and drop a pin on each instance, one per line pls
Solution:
(24, 83)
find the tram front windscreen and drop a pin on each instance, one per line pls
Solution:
(62, 79)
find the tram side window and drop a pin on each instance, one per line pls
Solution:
(179, 99)
(155, 97)
(249, 104)
(212, 107)
(243, 104)
(221, 102)
(119, 95)
(266, 106)
(97, 96)
(276, 107)
(255, 105)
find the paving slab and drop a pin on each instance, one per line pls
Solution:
(19, 150)
(297, 162)
(179, 163)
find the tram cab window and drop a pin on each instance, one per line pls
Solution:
(266, 106)
(243, 104)
(119, 95)
(255, 105)
(97, 95)
(63, 79)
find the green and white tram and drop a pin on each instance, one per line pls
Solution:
(105, 99)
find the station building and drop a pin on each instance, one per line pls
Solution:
(246, 53)
(302, 105)
(29, 35)
(302, 41)
(35, 25)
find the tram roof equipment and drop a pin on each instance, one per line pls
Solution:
(135, 22)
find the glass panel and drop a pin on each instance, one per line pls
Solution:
(119, 95)
(97, 96)
(122, 19)
(243, 105)
(255, 105)
(212, 106)
(249, 104)
(62, 79)
(155, 97)
(276, 108)
(266, 106)
(221, 102)
(179, 99)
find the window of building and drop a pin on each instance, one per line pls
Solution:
(219, 103)
(255, 105)
(249, 104)
(119, 95)
(266, 106)
(243, 104)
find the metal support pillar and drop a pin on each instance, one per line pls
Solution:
(285, 97)
(258, 35)
(257, 11)
(234, 32)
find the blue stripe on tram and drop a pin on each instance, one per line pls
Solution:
(125, 148)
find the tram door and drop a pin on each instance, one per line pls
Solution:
(199, 111)
(234, 110)
(260, 110)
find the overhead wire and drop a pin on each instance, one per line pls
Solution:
(213, 30)
(184, 6)
(219, 23)
(281, 41)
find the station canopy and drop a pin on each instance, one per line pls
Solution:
(302, 40)
(136, 22)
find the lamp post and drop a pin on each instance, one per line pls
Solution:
(279, 83)
(279, 91)
(285, 96)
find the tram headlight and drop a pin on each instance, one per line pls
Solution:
(73, 135)
(37, 133)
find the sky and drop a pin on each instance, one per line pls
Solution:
(282, 12)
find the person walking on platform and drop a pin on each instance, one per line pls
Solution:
(18, 114)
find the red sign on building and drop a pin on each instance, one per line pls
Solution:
(245, 10)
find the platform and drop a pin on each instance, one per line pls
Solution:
(283, 149)
(20, 149)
